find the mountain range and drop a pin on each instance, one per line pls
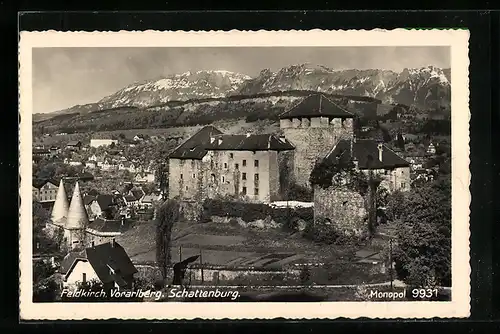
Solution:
(425, 88)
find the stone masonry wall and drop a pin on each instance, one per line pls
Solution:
(343, 207)
(313, 139)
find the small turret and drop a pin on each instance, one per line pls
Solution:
(77, 215)
(61, 205)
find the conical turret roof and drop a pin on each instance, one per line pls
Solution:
(61, 205)
(77, 215)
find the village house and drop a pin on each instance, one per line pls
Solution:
(431, 149)
(100, 206)
(44, 190)
(55, 150)
(134, 197)
(102, 142)
(212, 164)
(138, 137)
(74, 145)
(107, 263)
(144, 177)
(41, 153)
(344, 206)
(313, 127)
(129, 166)
(90, 164)
(148, 200)
(109, 165)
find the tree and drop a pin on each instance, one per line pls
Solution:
(45, 287)
(168, 214)
(423, 234)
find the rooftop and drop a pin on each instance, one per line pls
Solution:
(316, 105)
(194, 147)
(366, 153)
(251, 142)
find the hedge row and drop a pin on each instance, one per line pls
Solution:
(254, 211)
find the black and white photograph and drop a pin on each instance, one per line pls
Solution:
(191, 173)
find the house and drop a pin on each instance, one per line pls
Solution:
(55, 150)
(102, 142)
(144, 177)
(148, 200)
(129, 166)
(133, 198)
(74, 145)
(109, 165)
(213, 164)
(100, 206)
(41, 153)
(93, 157)
(107, 263)
(44, 190)
(91, 164)
(343, 204)
(431, 149)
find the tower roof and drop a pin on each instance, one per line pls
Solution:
(61, 205)
(316, 105)
(77, 215)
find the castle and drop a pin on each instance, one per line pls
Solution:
(73, 219)
(211, 164)
(253, 167)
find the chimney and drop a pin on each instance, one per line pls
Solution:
(380, 150)
(112, 242)
(212, 139)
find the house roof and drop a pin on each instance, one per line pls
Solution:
(194, 147)
(105, 201)
(40, 151)
(104, 255)
(258, 142)
(70, 258)
(87, 199)
(149, 198)
(74, 143)
(137, 193)
(367, 154)
(105, 225)
(316, 105)
(101, 258)
(130, 198)
(38, 183)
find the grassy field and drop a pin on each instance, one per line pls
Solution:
(233, 246)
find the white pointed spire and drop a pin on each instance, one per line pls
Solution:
(77, 215)
(61, 205)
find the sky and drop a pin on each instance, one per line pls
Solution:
(64, 77)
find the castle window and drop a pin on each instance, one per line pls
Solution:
(223, 179)
(256, 191)
(236, 166)
(244, 190)
(186, 188)
(244, 163)
(244, 176)
(256, 177)
(231, 155)
(403, 185)
(225, 165)
(213, 178)
(256, 163)
(385, 172)
(182, 176)
(194, 176)
(192, 163)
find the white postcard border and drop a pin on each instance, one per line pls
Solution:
(458, 307)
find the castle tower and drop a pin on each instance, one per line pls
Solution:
(314, 126)
(77, 219)
(61, 205)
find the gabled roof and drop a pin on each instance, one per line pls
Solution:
(101, 258)
(137, 193)
(87, 199)
(367, 154)
(105, 201)
(130, 198)
(106, 225)
(194, 147)
(316, 105)
(259, 142)
(38, 183)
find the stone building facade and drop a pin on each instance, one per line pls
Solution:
(314, 126)
(212, 164)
